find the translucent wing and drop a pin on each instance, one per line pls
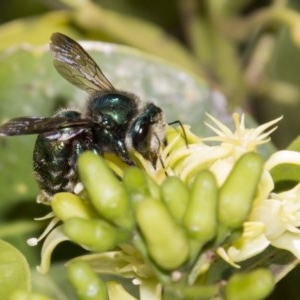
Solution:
(38, 125)
(75, 65)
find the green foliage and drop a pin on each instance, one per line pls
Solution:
(15, 273)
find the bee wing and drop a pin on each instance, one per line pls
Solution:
(38, 125)
(75, 65)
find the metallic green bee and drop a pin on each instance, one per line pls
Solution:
(113, 121)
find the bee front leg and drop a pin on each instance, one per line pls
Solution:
(122, 152)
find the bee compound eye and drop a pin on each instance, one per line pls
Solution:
(141, 135)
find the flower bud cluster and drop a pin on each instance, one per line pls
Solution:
(167, 226)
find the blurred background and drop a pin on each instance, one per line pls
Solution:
(249, 50)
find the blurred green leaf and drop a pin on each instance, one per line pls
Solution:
(56, 284)
(17, 228)
(166, 16)
(35, 30)
(104, 23)
(14, 271)
(295, 145)
(133, 32)
(227, 7)
(16, 9)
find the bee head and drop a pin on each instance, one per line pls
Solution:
(147, 132)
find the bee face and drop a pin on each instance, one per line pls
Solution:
(148, 132)
(112, 121)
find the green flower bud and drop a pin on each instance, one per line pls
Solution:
(200, 219)
(105, 191)
(116, 291)
(238, 191)
(166, 241)
(136, 184)
(87, 284)
(256, 285)
(175, 195)
(68, 205)
(96, 235)
(25, 295)
(139, 185)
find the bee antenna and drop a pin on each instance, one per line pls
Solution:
(183, 131)
(163, 165)
(158, 154)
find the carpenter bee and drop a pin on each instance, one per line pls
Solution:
(112, 121)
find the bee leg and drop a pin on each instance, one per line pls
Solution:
(122, 152)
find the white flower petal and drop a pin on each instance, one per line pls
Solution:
(150, 289)
(283, 157)
(222, 131)
(55, 237)
(222, 253)
(265, 186)
(243, 139)
(289, 241)
(116, 291)
(268, 212)
(198, 160)
(221, 168)
(252, 242)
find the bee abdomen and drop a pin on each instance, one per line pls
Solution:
(55, 162)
